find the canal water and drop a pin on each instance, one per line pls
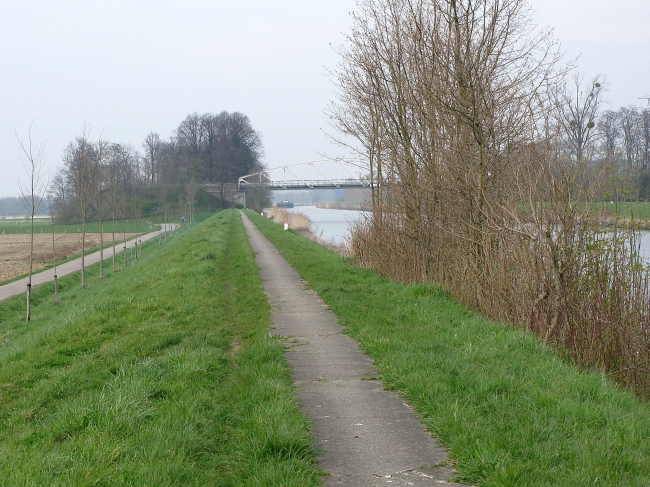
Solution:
(334, 225)
(331, 225)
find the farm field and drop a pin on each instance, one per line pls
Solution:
(636, 210)
(14, 240)
(14, 250)
(16, 225)
(44, 226)
(639, 211)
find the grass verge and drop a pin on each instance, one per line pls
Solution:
(162, 374)
(509, 409)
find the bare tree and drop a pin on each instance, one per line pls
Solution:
(32, 194)
(485, 172)
(124, 209)
(610, 132)
(100, 154)
(577, 108)
(645, 131)
(151, 147)
(113, 190)
(161, 195)
(78, 162)
(439, 94)
(58, 193)
(136, 207)
(216, 148)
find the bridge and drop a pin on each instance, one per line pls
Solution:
(321, 174)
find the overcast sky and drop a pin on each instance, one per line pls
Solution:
(129, 67)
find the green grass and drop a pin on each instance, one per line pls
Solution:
(508, 408)
(162, 374)
(638, 209)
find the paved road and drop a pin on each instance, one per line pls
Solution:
(18, 287)
(365, 436)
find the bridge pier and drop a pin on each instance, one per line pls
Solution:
(230, 192)
(240, 198)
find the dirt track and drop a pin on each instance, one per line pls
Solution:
(14, 250)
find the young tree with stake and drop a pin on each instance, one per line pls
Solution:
(32, 194)
(56, 279)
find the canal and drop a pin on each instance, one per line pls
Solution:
(331, 225)
(334, 225)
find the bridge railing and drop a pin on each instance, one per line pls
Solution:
(314, 184)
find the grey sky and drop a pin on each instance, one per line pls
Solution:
(130, 67)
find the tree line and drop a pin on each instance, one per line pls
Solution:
(490, 161)
(100, 178)
(624, 144)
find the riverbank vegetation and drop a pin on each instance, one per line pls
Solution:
(508, 407)
(300, 223)
(343, 205)
(297, 221)
(490, 163)
(161, 374)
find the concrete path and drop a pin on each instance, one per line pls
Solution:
(365, 436)
(19, 287)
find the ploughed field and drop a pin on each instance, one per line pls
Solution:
(14, 250)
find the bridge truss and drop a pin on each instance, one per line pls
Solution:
(330, 174)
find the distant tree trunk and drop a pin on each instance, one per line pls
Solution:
(151, 146)
(98, 201)
(191, 189)
(136, 208)
(181, 204)
(82, 186)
